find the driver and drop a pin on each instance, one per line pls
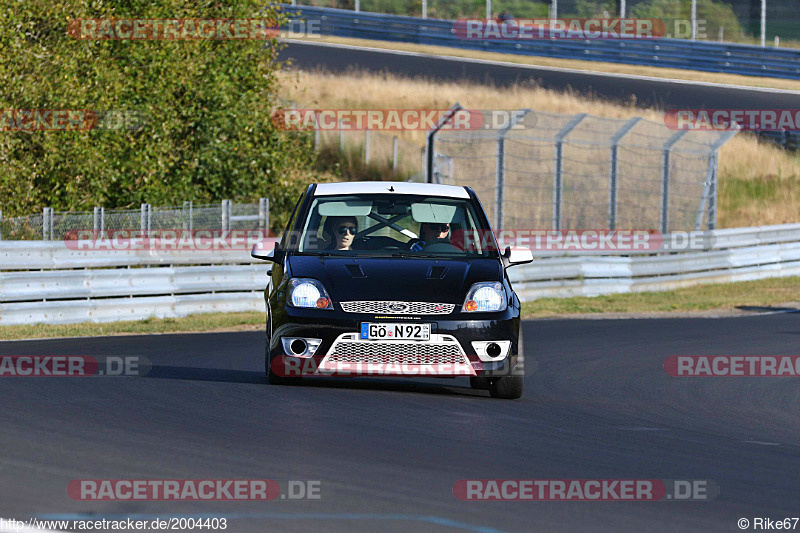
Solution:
(431, 233)
(343, 230)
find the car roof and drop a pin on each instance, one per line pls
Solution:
(383, 187)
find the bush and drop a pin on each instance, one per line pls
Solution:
(207, 104)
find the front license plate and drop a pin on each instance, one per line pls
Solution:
(394, 331)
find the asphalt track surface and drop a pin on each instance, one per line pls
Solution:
(598, 404)
(648, 92)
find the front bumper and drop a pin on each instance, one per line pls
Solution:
(449, 353)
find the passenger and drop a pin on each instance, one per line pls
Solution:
(341, 231)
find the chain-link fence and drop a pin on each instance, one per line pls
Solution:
(51, 225)
(550, 170)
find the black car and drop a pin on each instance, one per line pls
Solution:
(402, 279)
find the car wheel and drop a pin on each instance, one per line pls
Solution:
(272, 377)
(509, 387)
(479, 383)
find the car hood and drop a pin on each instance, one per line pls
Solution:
(412, 280)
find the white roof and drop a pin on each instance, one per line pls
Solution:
(382, 187)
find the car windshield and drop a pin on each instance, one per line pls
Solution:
(395, 226)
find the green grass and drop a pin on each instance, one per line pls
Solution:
(195, 323)
(712, 297)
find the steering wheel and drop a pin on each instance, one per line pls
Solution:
(412, 242)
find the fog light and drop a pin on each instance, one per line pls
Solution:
(298, 346)
(493, 349)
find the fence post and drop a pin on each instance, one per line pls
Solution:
(316, 138)
(558, 184)
(424, 9)
(613, 171)
(394, 154)
(366, 146)
(188, 208)
(710, 189)
(263, 215)
(99, 220)
(144, 219)
(341, 137)
(666, 149)
(47, 224)
(225, 207)
(429, 143)
(499, 186)
(1, 224)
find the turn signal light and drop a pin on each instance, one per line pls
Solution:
(322, 303)
(471, 305)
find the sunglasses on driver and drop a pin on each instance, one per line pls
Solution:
(342, 230)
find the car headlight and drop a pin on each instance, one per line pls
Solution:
(485, 296)
(308, 293)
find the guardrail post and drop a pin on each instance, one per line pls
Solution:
(47, 224)
(424, 9)
(665, 151)
(1, 224)
(429, 152)
(499, 186)
(341, 137)
(366, 146)
(613, 171)
(316, 138)
(558, 183)
(394, 154)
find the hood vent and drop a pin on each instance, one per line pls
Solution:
(436, 272)
(355, 271)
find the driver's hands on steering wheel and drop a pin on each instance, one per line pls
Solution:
(417, 245)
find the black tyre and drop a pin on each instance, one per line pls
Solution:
(272, 377)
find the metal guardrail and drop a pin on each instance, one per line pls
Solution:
(59, 282)
(739, 254)
(732, 58)
(230, 282)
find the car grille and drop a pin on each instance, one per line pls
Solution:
(411, 308)
(396, 353)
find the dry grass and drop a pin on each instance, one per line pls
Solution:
(599, 66)
(759, 183)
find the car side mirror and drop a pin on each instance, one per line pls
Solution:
(264, 250)
(517, 255)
